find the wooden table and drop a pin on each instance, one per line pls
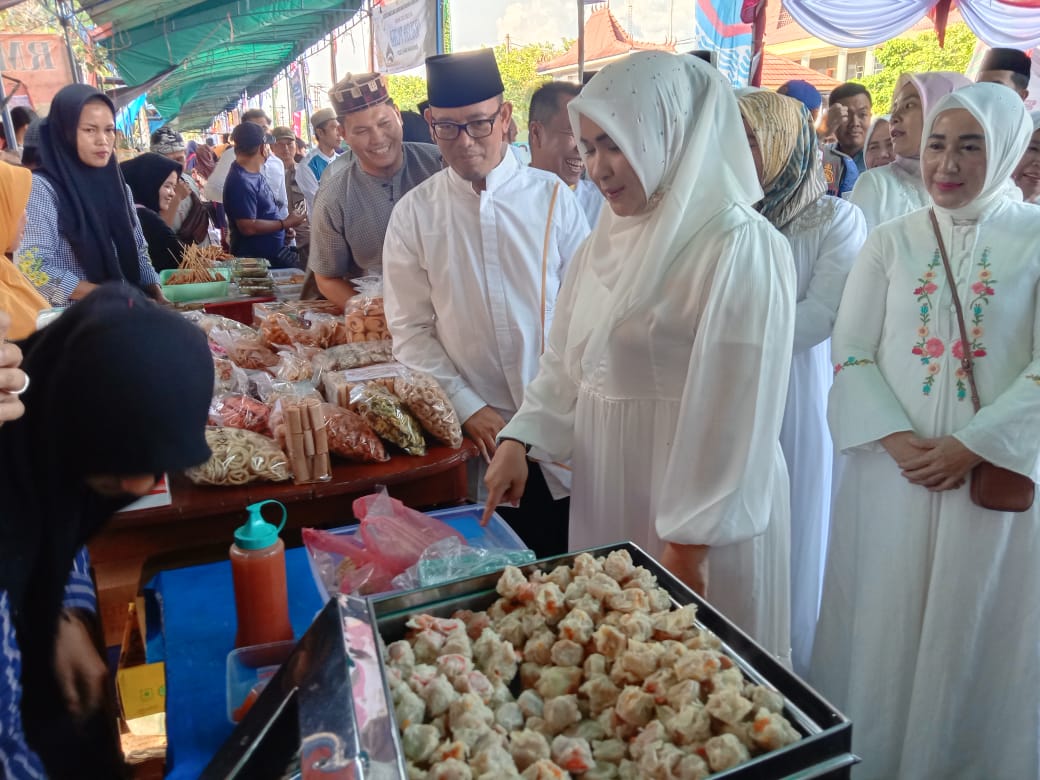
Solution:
(198, 527)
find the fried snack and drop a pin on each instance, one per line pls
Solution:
(338, 385)
(421, 395)
(382, 410)
(348, 356)
(240, 411)
(227, 377)
(240, 457)
(294, 365)
(299, 425)
(244, 351)
(351, 437)
(196, 266)
(365, 319)
(207, 322)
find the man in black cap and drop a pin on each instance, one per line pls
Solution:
(252, 209)
(274, 171)
(473, 261)
(1009, 67)
(360, 189)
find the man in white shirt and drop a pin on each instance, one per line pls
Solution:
(273, 170)
(553, 147)
(310, 169)
(473, 261)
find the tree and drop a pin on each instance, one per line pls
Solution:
(917, 54)
(407, 91)
(37, 17)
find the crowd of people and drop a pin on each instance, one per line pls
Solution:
(694, 321)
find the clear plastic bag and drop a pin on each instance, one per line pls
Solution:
(351, 437)
(294, 364)
(237, 410)
(344, 564)
(449, 559)
(299, 427)
(363, 315)
(228, 378)
(423, 396)
(382, 410)
(240, 457)
(347, 356)
(396, 535)
(339, 384)
(207, 322)
(245, 351)
(311, 329)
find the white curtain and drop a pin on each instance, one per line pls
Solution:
(871, 22)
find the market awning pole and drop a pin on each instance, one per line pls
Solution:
(758, 34)
(64, 11)
(9, 137)
(371, 38)
(581, 41)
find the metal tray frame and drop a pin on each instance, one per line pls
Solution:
(827, 733)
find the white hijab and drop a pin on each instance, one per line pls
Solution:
(1007, 129)
(1035, 116)
(676, 121)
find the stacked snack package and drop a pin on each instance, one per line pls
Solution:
(351, 437)
(382, 410)
(348, 356)
(299, 425)
(364, 316)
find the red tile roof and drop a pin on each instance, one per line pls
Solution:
(778, 70)
(604, 38)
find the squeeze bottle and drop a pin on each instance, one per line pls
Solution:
(258, 572)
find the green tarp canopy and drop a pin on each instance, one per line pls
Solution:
(217, 48)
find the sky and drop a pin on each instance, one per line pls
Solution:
(487, 22)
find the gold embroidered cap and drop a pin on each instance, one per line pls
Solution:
(357, 92)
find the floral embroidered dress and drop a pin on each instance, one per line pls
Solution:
(939, 667)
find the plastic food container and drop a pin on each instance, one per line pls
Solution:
(465, 519)
(250, 668)
(199, 291)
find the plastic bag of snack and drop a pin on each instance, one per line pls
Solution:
(351, 437)
(236, 410)
(244, 351)
(347, 356)
(208, 322)
(227, 377)
(363, 314)
(423, 396)
(344, 565)
(295, 364)
(382, 410)
(240, 457)
(299, 427)
(339, 384)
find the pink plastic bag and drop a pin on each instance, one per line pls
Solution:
(395, 535)
(345, 566)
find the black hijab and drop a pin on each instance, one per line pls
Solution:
(119, 386)
(93, 213)
(145, 174)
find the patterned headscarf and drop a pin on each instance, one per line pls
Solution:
(792, 172)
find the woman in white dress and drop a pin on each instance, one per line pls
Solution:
(666, 370)
(826, 234)
(896, 189)
(1027, 172)
(929, 633)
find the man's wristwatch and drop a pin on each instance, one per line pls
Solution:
(525, 445)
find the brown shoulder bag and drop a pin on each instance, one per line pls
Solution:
(992, 487)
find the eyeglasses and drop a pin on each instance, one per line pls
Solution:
(477, 128)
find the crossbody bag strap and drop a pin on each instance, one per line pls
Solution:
(545, 255)
(966, 362)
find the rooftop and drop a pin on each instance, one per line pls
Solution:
(604, 38)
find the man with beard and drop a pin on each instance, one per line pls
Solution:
(553, 146)
(473, 261)
(358, 191)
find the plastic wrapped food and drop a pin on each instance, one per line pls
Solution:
(294, 364)
(338, 385)
(351, 437)
(299, 426)
(363, 315)
(245, 351)
(227, 377)
(236, 410)
(208, 322)
(383, 412)
(347, 356)
(421, 395)
(240, 457)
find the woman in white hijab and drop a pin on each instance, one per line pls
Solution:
(877, 147)
(893, 190)
(929, 632)
(1027, 172)
(666, 370)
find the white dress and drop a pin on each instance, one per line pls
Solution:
(888, 192)
(929, 631)
(825, 239)
(675, 430)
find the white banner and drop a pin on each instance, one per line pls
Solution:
(405, 33)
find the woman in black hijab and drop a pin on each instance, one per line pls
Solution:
(152, 179)
(143, 379)
(81, 228)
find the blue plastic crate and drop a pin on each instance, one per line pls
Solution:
(496, 535)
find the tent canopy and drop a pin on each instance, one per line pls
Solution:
(215, 48)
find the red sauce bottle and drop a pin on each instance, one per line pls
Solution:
(258, 572)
